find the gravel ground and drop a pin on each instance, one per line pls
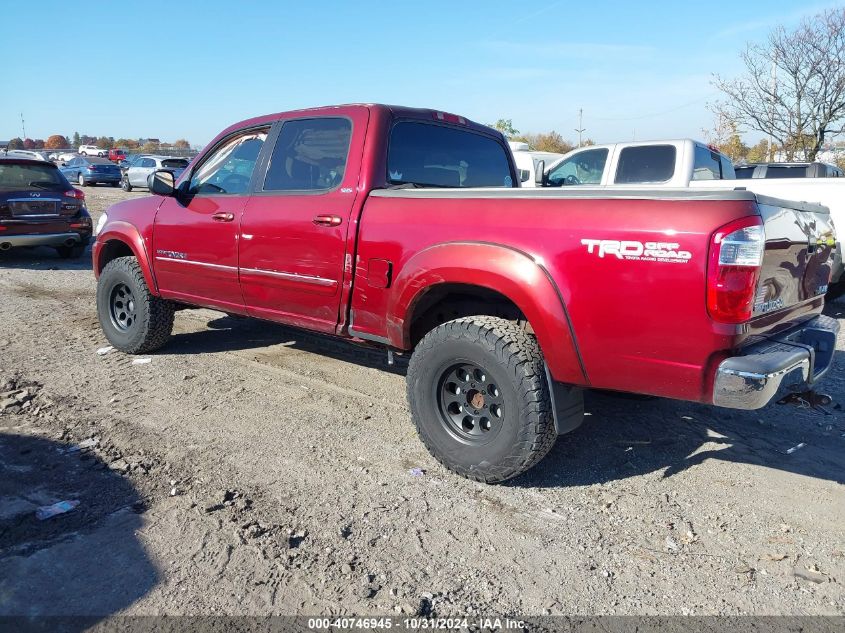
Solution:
(253, 469)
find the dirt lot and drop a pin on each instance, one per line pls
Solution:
(252, 469)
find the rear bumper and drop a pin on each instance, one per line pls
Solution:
(43, 239)
(792, 361)
(104, 178)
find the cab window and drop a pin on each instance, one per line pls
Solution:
(643, 164)
(228, 168)
(706, 165)
(432, 155)
(583, 168)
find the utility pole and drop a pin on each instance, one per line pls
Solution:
(23, 126)
(580, 129)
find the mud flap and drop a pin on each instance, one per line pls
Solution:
(567, 405)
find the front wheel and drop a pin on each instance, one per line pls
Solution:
(124, 184)
(479, 398)
(133, 319)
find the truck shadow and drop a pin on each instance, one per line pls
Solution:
(42, 258)
(624, 437)
(87, 562)
(229, 333)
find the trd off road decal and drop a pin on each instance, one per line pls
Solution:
(664, 252)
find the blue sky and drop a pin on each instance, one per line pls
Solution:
(187, 69)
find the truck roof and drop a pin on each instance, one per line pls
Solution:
(380, 108)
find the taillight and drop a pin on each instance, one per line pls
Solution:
(74, 193)
(92, 168)
(736, 255)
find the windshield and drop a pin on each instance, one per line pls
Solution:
(433, 155)
(22, 177)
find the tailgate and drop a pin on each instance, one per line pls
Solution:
(798, 254)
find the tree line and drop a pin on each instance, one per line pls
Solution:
(538, 142)
(59, 141)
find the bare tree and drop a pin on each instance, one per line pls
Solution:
(794, 85)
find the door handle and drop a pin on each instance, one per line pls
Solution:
(223, 217)
(328, 220)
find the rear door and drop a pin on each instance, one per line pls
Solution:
(294, 228)
(195, 240)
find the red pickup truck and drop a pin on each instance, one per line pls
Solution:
(406, 228)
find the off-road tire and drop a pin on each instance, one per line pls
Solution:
(513, 359)
(154, 323)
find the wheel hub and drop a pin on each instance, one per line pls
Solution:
(470, 402)
(122, 307)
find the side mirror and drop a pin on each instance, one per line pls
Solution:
(161, 183)
(540, 173)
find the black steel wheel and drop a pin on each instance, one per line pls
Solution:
(471, 404)
(479, 398)
(133, 319)
(122, 307)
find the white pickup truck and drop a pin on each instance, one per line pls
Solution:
(527, 161)
(684, 163)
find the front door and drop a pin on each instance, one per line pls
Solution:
(195, 240)
(294, 228)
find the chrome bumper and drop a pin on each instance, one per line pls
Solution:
(40, 239)
(792, 362)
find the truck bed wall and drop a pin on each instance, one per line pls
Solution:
(639, 325)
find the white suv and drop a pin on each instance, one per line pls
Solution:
(91, 150)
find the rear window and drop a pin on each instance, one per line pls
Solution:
(438, 156)
(706, 165)
(646, 164)
(786, 171)
(175, 163)
(744, 173)
(98, 160)
(22, 177)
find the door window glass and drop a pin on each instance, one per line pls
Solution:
(583, 168)
(310, 155)
(228, 168)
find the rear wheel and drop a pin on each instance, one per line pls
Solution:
(133, 319)
(81, 180)
(479, 398)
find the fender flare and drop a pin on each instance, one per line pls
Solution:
(128, 234)
(503, 269)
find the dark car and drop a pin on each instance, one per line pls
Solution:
(39, 207)
(89, 170)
